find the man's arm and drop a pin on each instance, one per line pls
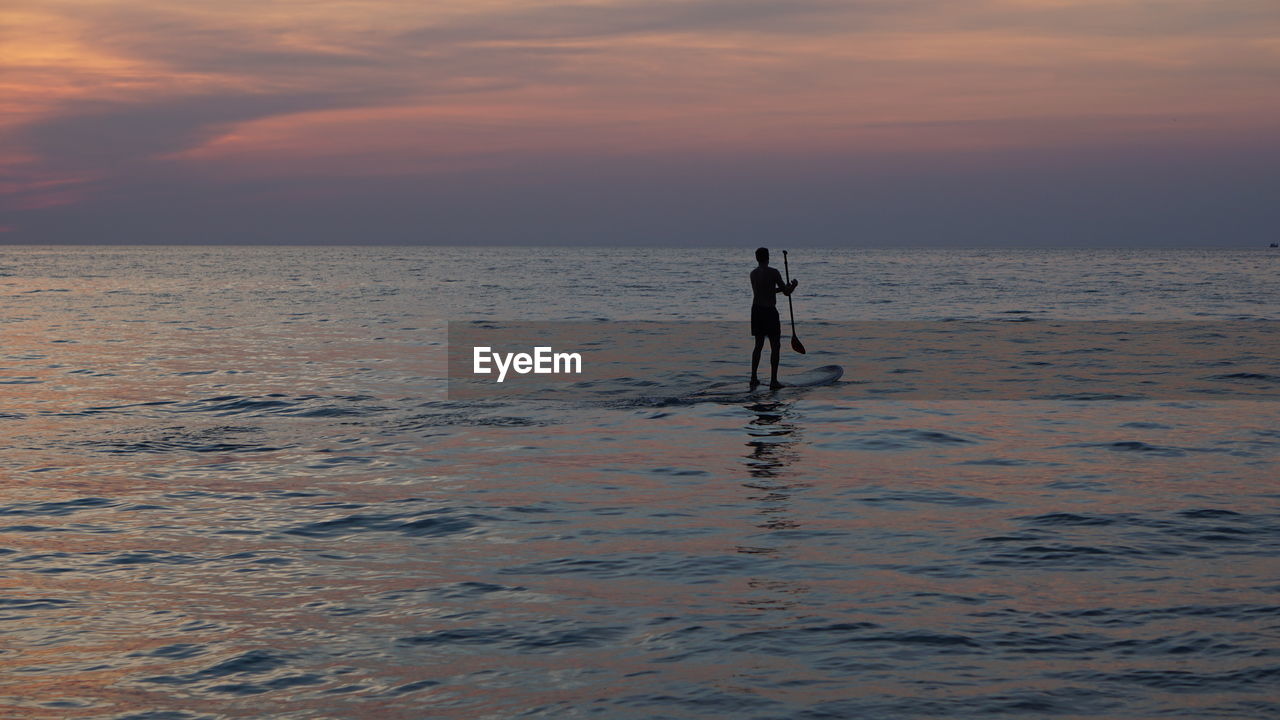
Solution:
(779, 286)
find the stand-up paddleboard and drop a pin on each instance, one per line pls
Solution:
(825, 375)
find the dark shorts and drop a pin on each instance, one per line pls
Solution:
(764, 321)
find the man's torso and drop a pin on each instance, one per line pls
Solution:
(764, 286)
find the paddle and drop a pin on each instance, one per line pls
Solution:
(795, 341)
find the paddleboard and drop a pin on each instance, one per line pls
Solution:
(825, 375)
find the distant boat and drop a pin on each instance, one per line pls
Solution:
(1275, 244)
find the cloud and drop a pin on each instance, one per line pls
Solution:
(110, 135)
(647, 17)
(234, 91)
(199, 70)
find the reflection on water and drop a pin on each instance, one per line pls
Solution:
(233, 488)
(775, 448)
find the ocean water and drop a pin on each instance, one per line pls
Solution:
(235, 486)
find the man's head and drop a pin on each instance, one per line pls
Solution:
(762, 256)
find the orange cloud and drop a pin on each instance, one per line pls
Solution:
(386, 87)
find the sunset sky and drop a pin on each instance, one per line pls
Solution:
(1039, 123)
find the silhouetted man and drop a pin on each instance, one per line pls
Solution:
(766, 283)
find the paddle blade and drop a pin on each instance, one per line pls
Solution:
(797, 345)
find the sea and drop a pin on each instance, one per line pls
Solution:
(236, 485)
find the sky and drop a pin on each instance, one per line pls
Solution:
(862, 123)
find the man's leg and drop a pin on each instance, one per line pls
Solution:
(755, 360)
(775, 343)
